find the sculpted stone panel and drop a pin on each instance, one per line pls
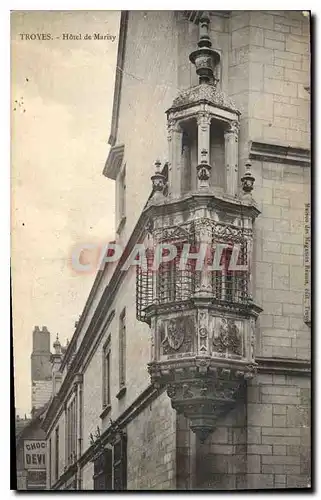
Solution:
(176, 335)
(228, 337)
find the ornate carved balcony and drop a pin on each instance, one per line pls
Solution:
(202, 321)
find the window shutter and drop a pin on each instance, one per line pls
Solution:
(108, 472)
(103, 471)
(120, 464)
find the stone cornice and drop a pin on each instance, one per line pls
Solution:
(114, 161)
(284, 366)
(278, 153)
(217, 200)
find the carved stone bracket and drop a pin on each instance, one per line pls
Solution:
(202, 390)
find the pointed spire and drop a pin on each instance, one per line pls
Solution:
(205, 58)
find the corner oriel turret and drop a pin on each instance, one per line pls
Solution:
(198, 299)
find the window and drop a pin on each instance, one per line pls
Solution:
(173, 283)
(57, 453)
(106, 374)
(71, 430)
(231, 285)
(122, 349)
(110, 467)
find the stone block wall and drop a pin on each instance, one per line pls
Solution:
(41, 391)
(281, 192)
(87, 476)
(221, 460)
(278, 432)
(151, 447)
(149, 85)
(269, 68)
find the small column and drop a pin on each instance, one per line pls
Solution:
(204, 288)
(231, 157)
(203, 167)
(175, 136)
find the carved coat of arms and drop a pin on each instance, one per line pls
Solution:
(175, 333)
(229, 338)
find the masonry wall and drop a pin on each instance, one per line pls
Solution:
(87, 476)
(278, 433)
(149, 86)
(269, 66)
(221, 460)
(282, 191)
(152, 447)
(41, 391)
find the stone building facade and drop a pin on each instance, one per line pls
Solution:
(30, 467)
(182, 381)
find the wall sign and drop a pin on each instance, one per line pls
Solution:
(307, 263)
(35, 454)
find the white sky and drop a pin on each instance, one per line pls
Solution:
(59, 145)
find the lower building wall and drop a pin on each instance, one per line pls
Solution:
(87, 476)
(221, 460)
(278, 433)
(262, 443)
(151, 447)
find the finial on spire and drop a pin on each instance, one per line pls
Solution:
(205, 58)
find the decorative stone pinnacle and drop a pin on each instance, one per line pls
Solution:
(205, 58)
(158, 180)
(204, 39)
(57, 345)
(248, 179)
